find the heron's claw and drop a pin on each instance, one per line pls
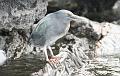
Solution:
(54, 60)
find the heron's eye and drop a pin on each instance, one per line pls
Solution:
(68, 14)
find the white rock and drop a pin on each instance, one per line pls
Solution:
(2, 57)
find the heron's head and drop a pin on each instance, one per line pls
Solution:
(69, 15)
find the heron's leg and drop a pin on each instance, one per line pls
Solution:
(50, 50)
(46, 55)
(53, 59)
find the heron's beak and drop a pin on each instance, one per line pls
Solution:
(78, 18)
(74, 17)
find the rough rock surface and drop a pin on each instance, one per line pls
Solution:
(16, 19)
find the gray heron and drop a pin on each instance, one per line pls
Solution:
(51, 28)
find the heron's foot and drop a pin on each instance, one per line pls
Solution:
(54, 59)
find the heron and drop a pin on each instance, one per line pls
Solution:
(51, 28)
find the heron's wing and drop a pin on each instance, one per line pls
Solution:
(42, 24)
(38, 34)
(41, 27)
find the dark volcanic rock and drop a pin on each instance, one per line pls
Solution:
(98, 10)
